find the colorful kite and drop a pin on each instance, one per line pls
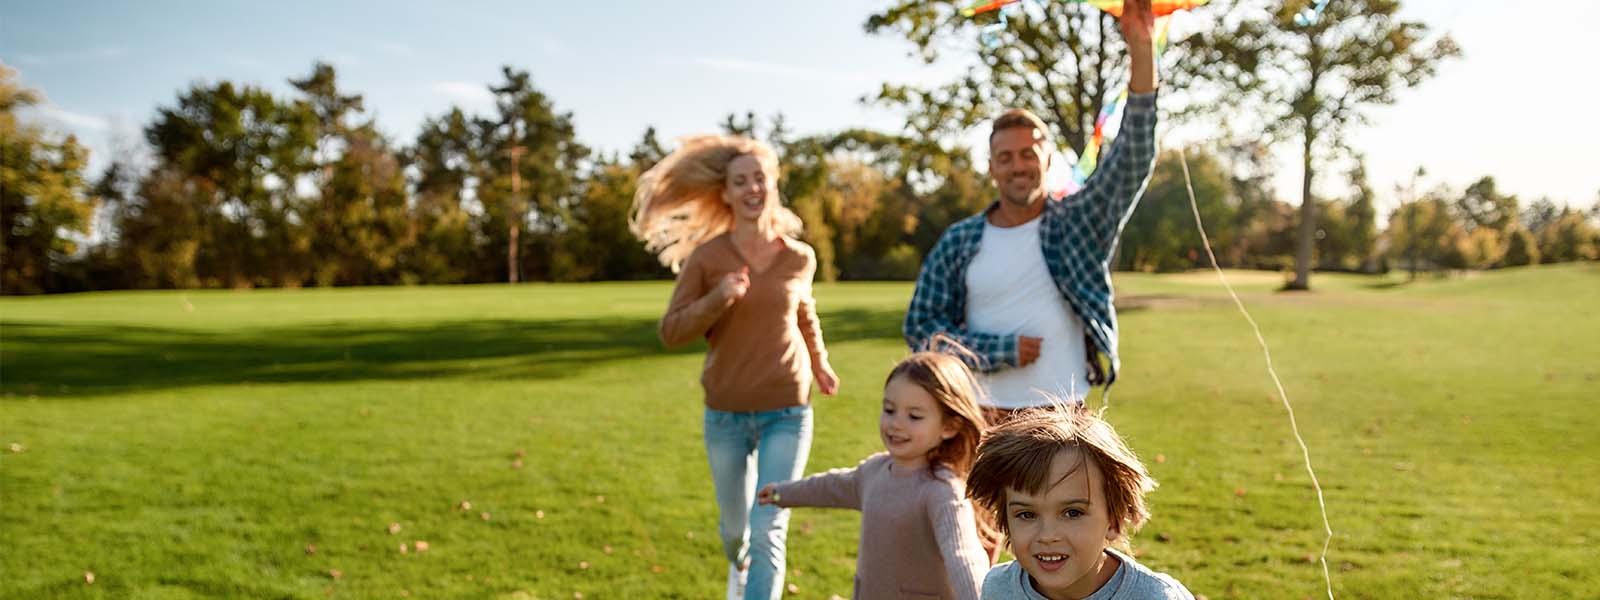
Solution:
(1160, 7)
(1084, 166)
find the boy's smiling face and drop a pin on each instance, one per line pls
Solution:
(1060, 535)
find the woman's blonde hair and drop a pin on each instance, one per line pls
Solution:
(679, 203)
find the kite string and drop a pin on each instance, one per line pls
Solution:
(1282, 395)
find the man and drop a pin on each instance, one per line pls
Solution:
(1026, 284)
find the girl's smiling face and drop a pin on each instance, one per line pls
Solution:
(912, 423)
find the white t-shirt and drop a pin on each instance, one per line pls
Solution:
(1010, 292)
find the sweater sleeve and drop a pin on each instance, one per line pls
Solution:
(955, 527)
(806, 314)
(837, 488)
(1109, 196)
(692, 310)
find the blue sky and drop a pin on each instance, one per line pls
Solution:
(1515, 107)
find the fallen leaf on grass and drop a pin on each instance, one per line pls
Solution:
(336, 574)
(656, 569)
(607, 549)
(394, 528)
(88, 577)
(583, 565)
(1161, 458)
(311, 549)
(464, 505)
(485, 516)
(420, 545)
(1239, 492)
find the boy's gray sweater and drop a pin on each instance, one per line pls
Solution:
(1132, 581)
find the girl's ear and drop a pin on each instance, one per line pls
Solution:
(952, 426)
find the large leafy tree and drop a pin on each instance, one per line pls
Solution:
(1313, 82)
(1063, 61)
(446, 162)
(1162, 236)
(228, 159)
(359, 218)
(531, 167)
(43, 196)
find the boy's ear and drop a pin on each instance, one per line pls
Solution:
(1113, 532)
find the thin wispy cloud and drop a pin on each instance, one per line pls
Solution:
(750, 67)
(465, 93)
(72, 56)
(51, 112)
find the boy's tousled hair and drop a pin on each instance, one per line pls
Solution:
(1017, 454)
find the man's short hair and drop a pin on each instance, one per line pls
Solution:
(1021, 117)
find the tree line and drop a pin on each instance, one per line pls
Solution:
(244, 188)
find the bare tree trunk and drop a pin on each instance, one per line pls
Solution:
(513, 266)
(1308, 219)
(511, 254)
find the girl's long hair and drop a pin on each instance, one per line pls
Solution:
(679, 206)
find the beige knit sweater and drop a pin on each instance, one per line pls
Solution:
(919, 534)
(763, 345)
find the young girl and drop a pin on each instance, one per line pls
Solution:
(915, 520)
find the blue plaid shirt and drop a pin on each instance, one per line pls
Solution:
(1078, 235)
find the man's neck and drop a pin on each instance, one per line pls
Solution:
(1008, 214)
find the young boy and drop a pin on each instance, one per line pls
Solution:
(1062, 487)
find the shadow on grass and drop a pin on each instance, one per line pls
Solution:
(1388, 284)
(57, 359)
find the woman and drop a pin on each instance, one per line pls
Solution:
(710, 210)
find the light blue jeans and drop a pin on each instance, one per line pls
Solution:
(748, 450)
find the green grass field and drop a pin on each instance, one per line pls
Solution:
(198, 444)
